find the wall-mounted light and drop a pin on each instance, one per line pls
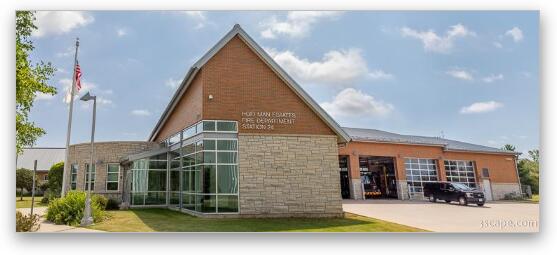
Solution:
(210, 97)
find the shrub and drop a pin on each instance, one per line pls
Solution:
(44, 200)
(26, 223)
(55, 179)
(112, 204)
(102, 201)
(69, 209)
(513, 196)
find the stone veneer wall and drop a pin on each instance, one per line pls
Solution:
(105, 152)
(289, 176)
(499, 190)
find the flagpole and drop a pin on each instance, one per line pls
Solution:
(67, 163)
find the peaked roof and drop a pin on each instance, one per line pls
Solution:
(374, 135)
(46, 157)
(237, 30)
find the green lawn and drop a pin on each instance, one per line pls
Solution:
(163, 220)
(26, 203)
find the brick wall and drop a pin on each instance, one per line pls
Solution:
(501, 167)
(105, 152)
(289, 176)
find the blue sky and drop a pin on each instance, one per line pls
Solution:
(470, 76)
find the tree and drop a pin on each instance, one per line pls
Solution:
(31, 79)
(23, 180)
(55, 179)
(529, 170)
(535, 155)
(509, 147)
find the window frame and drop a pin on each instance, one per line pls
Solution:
(73, 176)
(93, 180)
(418, 161)
(117, 179)
(454, 163)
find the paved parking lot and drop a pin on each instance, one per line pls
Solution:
(442, 217)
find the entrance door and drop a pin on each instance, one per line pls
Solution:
(487, 189)
(344, 185)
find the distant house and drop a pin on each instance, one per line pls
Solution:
(46, 157)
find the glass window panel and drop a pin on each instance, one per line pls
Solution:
(188, 148)
(227, 157)
(227, 145)
(228, 203)
(157, 181)
(199, 128)
(174, 180)
(155, 198)
(209, 157)
(112, 186)
(226, 126)
(113, 168)
(186, 181)
(209, 145)
(138, 198)
(208, 125)
(174, 198)
(189, 132)
(207, 203)
(209, 179)
(227, 179)
(112, 177)
(188, 201)
(157, 164)
(199, 146)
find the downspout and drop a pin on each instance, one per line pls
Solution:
(517, 174)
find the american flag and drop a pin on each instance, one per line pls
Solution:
(77, 77)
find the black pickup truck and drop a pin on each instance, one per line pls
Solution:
(450, 191)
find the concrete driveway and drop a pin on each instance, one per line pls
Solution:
(442, 217)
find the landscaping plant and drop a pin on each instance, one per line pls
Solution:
(26, 223)
(69, 209)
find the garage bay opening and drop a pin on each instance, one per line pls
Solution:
(378, 177)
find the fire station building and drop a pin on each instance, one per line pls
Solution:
(241, 138)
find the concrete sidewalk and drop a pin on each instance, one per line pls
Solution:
(49, 227)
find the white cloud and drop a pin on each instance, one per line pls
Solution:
(515, 33)
(121, 32)
(86, 87)
(296, 25)
(460, 73)
(59, 22)
(351, 102)
(492, 78)
(42, 96)
(481, 107)
(172, 83)
(140, 112)
(435, 43)
(70, 51)
(497, 45)
(336, 67)
(198, 16)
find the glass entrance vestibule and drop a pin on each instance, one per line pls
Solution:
(197, 171)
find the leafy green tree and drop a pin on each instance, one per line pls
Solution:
(529, 170)
(55, 179)
(23, 180)
(30, 80)
(509, 147)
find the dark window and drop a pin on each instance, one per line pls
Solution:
(485, 172)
